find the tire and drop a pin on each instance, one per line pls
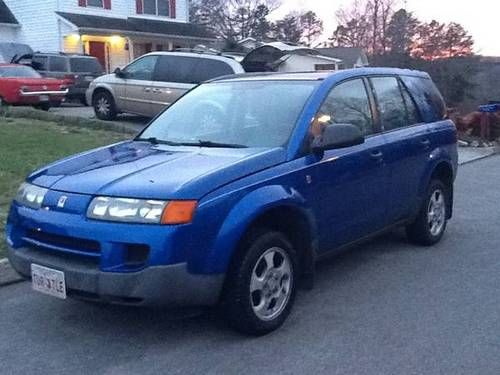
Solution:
(268, 264)
(42, 107)
(3, 105)
(104, 106)
(430, 224)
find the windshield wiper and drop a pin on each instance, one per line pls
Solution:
(202, 143)
(156, 141)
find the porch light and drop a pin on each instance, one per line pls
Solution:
(115, 39)
(74, 37)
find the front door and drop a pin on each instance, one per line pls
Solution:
(350, 185)
(139, 86)
(98, 50)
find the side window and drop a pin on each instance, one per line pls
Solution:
(40, 63)
(347, 103)
(177, 69)
(58, 64)
(142, 69)
(412, 114)
(390, 102)
(207, 69)
(427, 96)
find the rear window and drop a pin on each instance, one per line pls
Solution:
(18, 72)
(85, 65)
(207, 69)
(427, 97)
(40, 63)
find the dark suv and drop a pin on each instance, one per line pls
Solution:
(234, 192)
(77, 71)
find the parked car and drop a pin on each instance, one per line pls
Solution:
(232, 194)
(76, 70)
(151, 83)
(21, 85)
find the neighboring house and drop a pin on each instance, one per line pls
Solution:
(114, 31)
(8, 24)
(283, 57)
(351, 57)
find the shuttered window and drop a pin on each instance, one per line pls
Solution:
(165, 8)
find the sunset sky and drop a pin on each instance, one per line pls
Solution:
(481, 17)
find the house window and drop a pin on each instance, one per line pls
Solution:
(156, 7)
(95, 3)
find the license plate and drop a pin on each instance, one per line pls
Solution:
(44, 98)
(48, 281)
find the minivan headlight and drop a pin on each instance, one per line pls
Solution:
(30, 195)
(141, 210)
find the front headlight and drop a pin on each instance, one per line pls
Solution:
(141, 211)
(30, 196)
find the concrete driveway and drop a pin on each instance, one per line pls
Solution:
(387, 307)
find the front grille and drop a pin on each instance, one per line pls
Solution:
(63, 243)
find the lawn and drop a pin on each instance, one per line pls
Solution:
(26, 144)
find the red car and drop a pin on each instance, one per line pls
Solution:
(22, 85)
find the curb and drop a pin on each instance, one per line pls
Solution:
(7, 274)
(496, 151)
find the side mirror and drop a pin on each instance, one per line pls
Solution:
(338, 136)
(119, 73)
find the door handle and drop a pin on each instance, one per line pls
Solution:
(147, 89)
(377, 155)
(157, 91)
(425, 142)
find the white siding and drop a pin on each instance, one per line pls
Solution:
(9, 34)
(38, 23)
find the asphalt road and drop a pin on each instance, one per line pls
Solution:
(384, 308)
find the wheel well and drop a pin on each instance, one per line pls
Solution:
(295, 225)
(444, 173)
(100, 90)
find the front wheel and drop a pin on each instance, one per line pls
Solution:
(430, 225)
(261, 284)
(104, 106)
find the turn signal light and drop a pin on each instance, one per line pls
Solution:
(179, 212)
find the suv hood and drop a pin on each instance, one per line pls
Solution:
(142, 170)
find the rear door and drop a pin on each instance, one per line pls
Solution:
(171, 80)
(175, 75)
(407, 143)
(138, 78)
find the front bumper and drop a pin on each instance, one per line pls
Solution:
(170, 285)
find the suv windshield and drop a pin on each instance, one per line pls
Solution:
(85, 65)
(18, 72)
(233, 114)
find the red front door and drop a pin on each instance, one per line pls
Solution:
(98, 50)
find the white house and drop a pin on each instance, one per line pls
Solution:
(114, 31)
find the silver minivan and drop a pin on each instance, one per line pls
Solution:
(154, 81)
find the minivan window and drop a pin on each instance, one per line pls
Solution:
(142, 69)
(347, 103)
(85, 65)
(207, 69)
(246, 114)
(58, 64)
(390, 103)
(178, 69)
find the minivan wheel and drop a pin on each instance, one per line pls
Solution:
(430, 225)
(104, 106)
(261, 285)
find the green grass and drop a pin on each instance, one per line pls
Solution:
(26, 144)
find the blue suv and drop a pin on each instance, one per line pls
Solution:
(231, 195)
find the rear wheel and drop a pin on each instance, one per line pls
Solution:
(261, 284)
(430, 225)
(104, 106)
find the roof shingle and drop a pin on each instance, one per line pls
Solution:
(6, 15)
